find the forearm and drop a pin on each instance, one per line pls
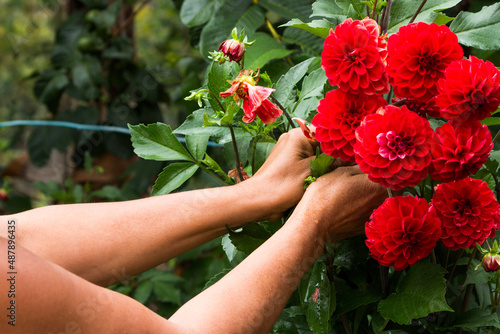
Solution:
(107, 242)
(250, 298)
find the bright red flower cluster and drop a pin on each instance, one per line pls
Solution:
(459, 151)
(470, 90)
(393, 147)
(402, 231)
(339, 115)
(418, 56)
(468, 211)
(354, 55)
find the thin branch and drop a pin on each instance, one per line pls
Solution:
(418, 11)
(385, 24)
(374, 9)
(496, 137)
(236, 153)
(129, 19)
(384, 281)
(284, 111)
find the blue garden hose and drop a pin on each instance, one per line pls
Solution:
(78, 126)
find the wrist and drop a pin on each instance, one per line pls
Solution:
(255, 203)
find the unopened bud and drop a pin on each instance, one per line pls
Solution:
(233, 49)
(491, 262)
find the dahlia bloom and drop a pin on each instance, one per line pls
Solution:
(255, 98)
(470, 90)
(393, 147)
(233, 49)
(423, 109)
(353, 57)
(468, 212)
(418, 56)
(402, 231)
(491, 262)
(339, 115)
(459, 151)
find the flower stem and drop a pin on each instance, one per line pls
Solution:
(496, 137)
(389, 193)
(216, 99)
(236, 153)
(463, 284)
(374, 9)
(383, 279)
(385, 24)
(345, 322)
(284, 111)
(418, 11)
(454, 266)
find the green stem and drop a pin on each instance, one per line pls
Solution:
(254, 149)
(446, 258)
(494, 310)
(284, 111)
(465, 279)
(418, 11)
(454, 266)
(496, 137)
(385, 24)
(236, 153)
(374, 9)
(433, 256)
(214, 175)
(384, 279)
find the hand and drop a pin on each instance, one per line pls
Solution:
(341, 202)
(281, 179)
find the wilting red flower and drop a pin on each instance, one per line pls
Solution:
(470, 90)
(308, 130)
(468, 212)
(491, 262)
(233, 49)
(255, 98)
(423, 109)
(418, 56)
(393, 147)
(234, 173)
(339, 115)
(353, 57)
(402, 231)
(459, 151)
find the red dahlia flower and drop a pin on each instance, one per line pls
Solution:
(418, 56)
(459, 151)
(393, 147)
(255, 98)
(402, 231)
(353, 57)
(339, 114)
(233, 49)
(470, 90)
(468, 212)
(423, 109)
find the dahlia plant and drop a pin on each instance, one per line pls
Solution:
(399, 95)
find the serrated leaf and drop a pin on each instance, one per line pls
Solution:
(288, 8)
(479, 30)
(403, 10)
(197, 145)
(319, 28)
(219, 79)
(172, 177)
(167, 293)
(321, 165)
(263, 50)
(214, 166)
(216, 278)
(419, 293)
(194, 125)
(328, 9)
(157, 142)
(287, 82)
(143, 291)
(315, 298)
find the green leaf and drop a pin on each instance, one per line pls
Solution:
(193, 125)
(214, 166)
(263, 149)
(196, 12)
(167, 293)
(313, 84)
(216, 278)
(315, 298)
(49, 88)
(95, 4)
(287, 82)
(328, 9)
(419, 293)
(104, 19)
(219, 79)
(479, 30)
(157, 142)
(172, 177)
(111, 193)
(311, 45)
(320, 28)
(321, 165)
(87, 76)
(249, 238)
(228, 248)
(197, 145)
(263, 50)
(236, 13)
(143, 291)
(443, 19)
(288, 8)
(403, 10)
(351, 299)
(350, 5)
(477, 318)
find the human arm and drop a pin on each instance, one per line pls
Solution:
(108, 242)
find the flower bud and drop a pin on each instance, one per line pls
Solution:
(4, 196)
(491, 262)
(233, 49)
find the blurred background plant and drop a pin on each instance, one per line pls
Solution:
(100, 62)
